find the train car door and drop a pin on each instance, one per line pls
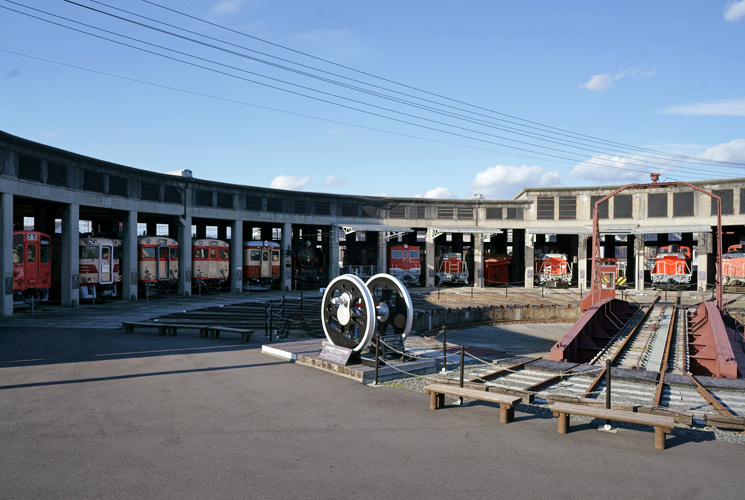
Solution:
(106, 264)
(31, 266)
(164, 263)
(266, 263)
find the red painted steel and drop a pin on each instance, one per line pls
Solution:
(709, 347)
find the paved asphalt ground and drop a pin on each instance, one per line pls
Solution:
(93, 413)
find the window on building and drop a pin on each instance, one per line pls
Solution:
(514, 213)
(445, 212)
(657, 205)
(323, 208)
(683, 204)
(161, 230)
(349, 209)
(567, 207)
(727, 196)
(210, 232)
(274, 205)
(623, 205)
(493, 213)
(397, 212)
(602, 208)
(545, 207)
(465, 213)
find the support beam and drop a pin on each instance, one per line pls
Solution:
(184, 256)
(529, 260)
(429, 246)
(333, 251)
(6, 252)
(236, 256)
(129, 257)
(382, 253)
(69, 256)
(285, 273)
(477, 275)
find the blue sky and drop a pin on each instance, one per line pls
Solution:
(545, 93)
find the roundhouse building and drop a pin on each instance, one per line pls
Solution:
(63, 194)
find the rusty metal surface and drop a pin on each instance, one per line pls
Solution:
(710, 350)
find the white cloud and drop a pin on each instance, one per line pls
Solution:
(227, 7)
(438, 192)
(334, 181)
(606, 169)
(289, 182)
(603, 81)
(730, 107)
(503, 182)
(51, 135)
(731, 151)
(734, 11)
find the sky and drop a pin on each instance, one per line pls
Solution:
(435, 99)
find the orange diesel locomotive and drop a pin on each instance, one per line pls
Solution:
(672, 266)
(733, 266)
(552, 269)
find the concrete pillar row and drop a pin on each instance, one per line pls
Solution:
(333, 267)
(236, 256)
(429, 247)
(639, 256)
(6, 252)
(582, 272)
(184, 256)
(69, 256)
(478, 261)
(705, 248)
(285, 273)
(129, 257)
(382, 253)
(529, 260)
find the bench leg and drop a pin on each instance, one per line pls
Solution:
(245, 337)
(440, 400)
(432, 400)
(563, 423)
(504, 413)
(202, 333)
(659, 438)
(161, 330)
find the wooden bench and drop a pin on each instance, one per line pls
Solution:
(214, 332)
(507, 402)
(164, 328)
(662, 424)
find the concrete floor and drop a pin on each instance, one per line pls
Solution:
(96, 413)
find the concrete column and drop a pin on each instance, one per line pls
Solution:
(639, 256)
(429, 248)
(582, 272)
(333, 251)
(382, 253)
(69, 256)
(184, 256)
(705, 248)
(477, 275)
(529, 260)
(129, 257)
(6, 252)
(285, 273)
(236, 256)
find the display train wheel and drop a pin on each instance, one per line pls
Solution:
(392, 304)
(348, 313)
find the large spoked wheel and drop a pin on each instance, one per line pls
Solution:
(392, 304)
(348, 313)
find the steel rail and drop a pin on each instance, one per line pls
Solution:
(663, 368)
(709, 397)
(620, 348)
(496, 374)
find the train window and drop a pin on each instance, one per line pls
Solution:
(31, 256)
(45, 252)
(105, 253)
(117, 253)
(413, 254)
(174, 253)
(396, 254)
(88, 252)
(275, 255)
(255, 255)
(147, 252)
(224, 253)
(200, 253)
(213, 253)
(265, 256)
(162, 253)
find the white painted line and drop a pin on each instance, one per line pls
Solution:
(276, 352)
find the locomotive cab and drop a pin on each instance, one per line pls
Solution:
(32, 267)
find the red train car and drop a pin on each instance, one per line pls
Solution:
(404, 262)
(98, 267)
(261, 262)
(496, 268)
(672, 266)
(552, 268)
(733, 266)
(451, 268)
(32, 265)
